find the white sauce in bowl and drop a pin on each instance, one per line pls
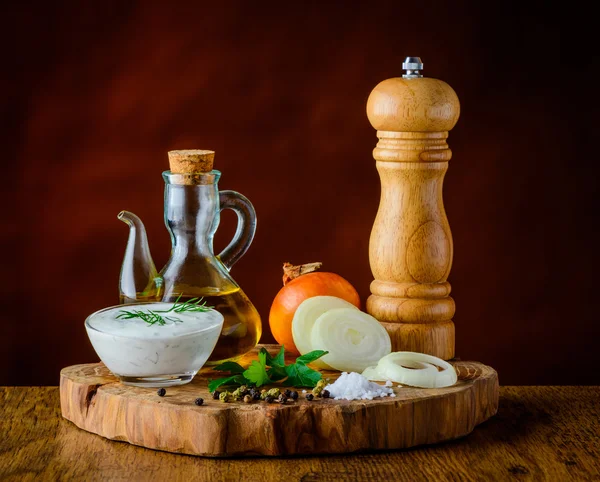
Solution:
(134, 348)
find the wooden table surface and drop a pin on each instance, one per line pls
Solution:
(540, 433)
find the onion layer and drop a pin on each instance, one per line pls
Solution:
(415, 370)
(305, 317)
(353, 339)
(371, 373)
(375, 374)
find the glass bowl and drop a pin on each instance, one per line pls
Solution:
(162, 354)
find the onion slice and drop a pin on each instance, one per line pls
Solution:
(353, 339)
(417, 370)
(375, 375)
(304, 319)
(372, 374)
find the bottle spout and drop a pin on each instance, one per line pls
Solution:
(138, 271)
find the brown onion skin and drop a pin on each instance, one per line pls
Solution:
(295, 292)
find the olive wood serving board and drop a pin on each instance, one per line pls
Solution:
(94, 400)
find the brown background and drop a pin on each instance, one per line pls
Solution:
(95, 95)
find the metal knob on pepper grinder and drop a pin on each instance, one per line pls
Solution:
(410, 249)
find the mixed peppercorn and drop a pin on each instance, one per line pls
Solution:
(251, 394)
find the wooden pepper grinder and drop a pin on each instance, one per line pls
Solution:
(410, 249)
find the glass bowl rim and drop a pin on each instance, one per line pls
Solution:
(192, 333)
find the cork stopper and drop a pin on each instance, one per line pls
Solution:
(191, 161)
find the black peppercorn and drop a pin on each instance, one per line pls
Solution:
(325, 394)
(256, 396)
(294, 395)
(199, 401)
(310, 396)
(288, 393)
(269, 399)
(216, 394)
(161, 392)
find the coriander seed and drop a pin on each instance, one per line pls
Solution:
(274, 392)
(319, 387)
(247, 399)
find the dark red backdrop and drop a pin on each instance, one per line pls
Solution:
(95, 95)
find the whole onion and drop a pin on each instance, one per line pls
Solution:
(299, 284)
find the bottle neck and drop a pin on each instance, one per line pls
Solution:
(191, 245)
(192, 217)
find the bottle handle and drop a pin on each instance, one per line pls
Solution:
(246, 226)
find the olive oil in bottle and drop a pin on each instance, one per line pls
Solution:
(242, 327)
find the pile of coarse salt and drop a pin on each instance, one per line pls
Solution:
(353, 386)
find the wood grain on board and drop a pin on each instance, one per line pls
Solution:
(539, 434)
(93, 399)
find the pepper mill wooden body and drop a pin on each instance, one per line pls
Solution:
(410, 249)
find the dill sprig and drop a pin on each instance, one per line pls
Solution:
(153, 317)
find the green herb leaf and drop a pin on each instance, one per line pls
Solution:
(277, 364)
(310, 356)
(277, 361)
(229, 366)
(152, 317)
(299, 375)
(257, 371)
(232, 380)
(276, 373)
(269, 369)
